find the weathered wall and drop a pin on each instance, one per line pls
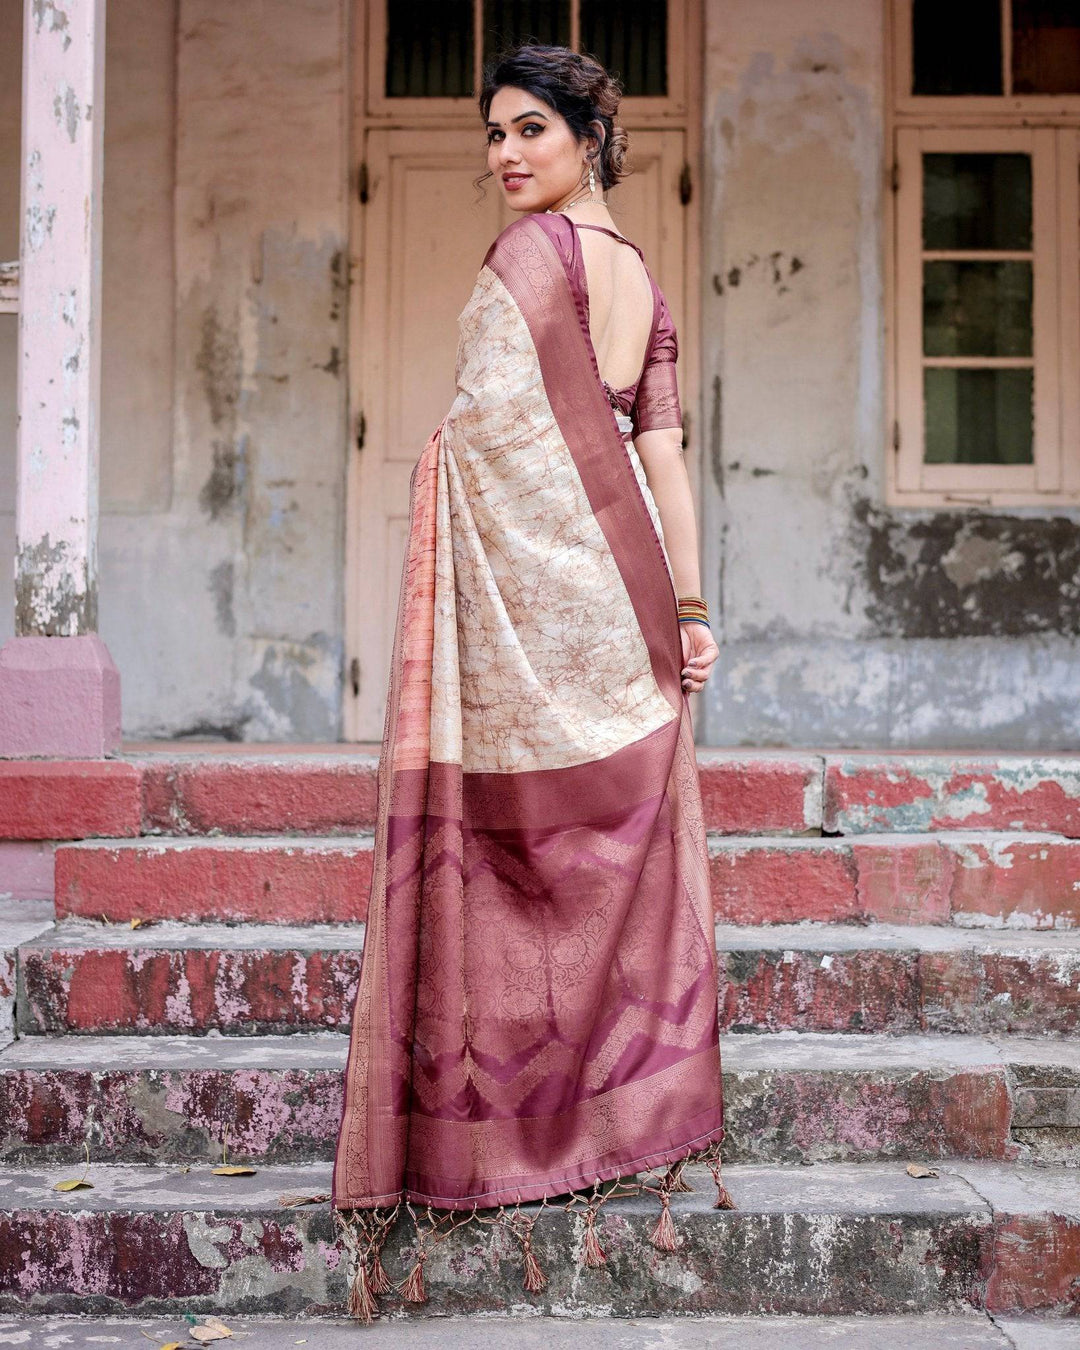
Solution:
(224, 441)
(10, 98)
(223, 427)
(842, 621)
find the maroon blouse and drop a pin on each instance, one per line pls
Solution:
(652, 401)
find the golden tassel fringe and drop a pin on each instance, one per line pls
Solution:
(593, 1253)
(663, 1235)
(364, 1231)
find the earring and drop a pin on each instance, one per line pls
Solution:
(592, 179)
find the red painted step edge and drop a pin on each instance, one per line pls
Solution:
(257, 796)
(923, 794)
(895, 879)
(69, 799)
(294, 881)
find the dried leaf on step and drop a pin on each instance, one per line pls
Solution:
(210, 1330)
(918, 1170)
(76, 1184)
(232, 1170)
(172, 1345)
(290, 1201)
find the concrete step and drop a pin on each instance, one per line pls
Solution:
(836, 1239)
(20, 921)
(928, 1331)
(788, 1097)
(925, 793)
(277, 879)
(972, 880)
(166, 978)
(171, 788)
(284, 790)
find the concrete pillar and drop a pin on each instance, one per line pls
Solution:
(59, 689)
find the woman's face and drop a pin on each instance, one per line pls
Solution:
(535, 157)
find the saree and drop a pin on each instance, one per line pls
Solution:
(536, 1012)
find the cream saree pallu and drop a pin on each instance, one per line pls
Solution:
(537, 1006)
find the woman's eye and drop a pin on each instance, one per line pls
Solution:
(538, 126)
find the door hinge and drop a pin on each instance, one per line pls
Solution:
(896, 437)
(894, 176)
(685, 187)
(354, 676)
(362, 182)
(361, 430)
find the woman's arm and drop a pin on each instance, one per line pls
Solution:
(662, 458)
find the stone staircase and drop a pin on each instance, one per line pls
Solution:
(900, 983)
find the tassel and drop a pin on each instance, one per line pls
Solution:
(673, 1180)
(535, 1278)
(594, 1253)
(380, 1281)
(522, 1228)
(355, 1232)
(723, 1195)
(413, 1290)
(362, 1302)
(723, 1198)
(663, 1235)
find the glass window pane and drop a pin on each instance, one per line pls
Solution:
(956, 47)
(429, 49)
(507, 22)
(977, 201)
(629, 37)
(1046, 46)
(978, 416)
(977, 308)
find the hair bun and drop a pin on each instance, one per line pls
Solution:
(577, 86)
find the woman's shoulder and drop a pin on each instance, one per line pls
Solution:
(528, 227)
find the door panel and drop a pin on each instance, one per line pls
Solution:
(425, 230)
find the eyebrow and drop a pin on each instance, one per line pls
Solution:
(533, 112)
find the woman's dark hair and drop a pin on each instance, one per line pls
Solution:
(577, 86)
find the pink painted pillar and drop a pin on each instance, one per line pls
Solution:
(59, 689)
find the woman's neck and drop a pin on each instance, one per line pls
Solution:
(591, 212)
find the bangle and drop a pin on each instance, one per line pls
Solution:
(693, 609)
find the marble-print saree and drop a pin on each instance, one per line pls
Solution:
(537, 1006)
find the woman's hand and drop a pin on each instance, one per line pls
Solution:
(699, 651)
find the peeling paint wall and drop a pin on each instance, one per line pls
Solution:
(10, 124)
(842, 621)
(223, 402)
(224, 442)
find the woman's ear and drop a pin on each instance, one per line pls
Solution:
(600, 135)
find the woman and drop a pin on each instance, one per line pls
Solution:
(536, 1014)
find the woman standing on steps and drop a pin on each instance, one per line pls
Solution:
(536, 1014)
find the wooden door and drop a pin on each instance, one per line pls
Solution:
(424, 232)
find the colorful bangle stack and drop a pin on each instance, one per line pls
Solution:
(693, 609)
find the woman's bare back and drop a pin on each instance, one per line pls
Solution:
(620, 304)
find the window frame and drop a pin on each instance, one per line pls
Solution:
(463, 107)
(959, 125)
(994, 104)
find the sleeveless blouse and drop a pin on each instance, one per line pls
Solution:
(652, 401)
